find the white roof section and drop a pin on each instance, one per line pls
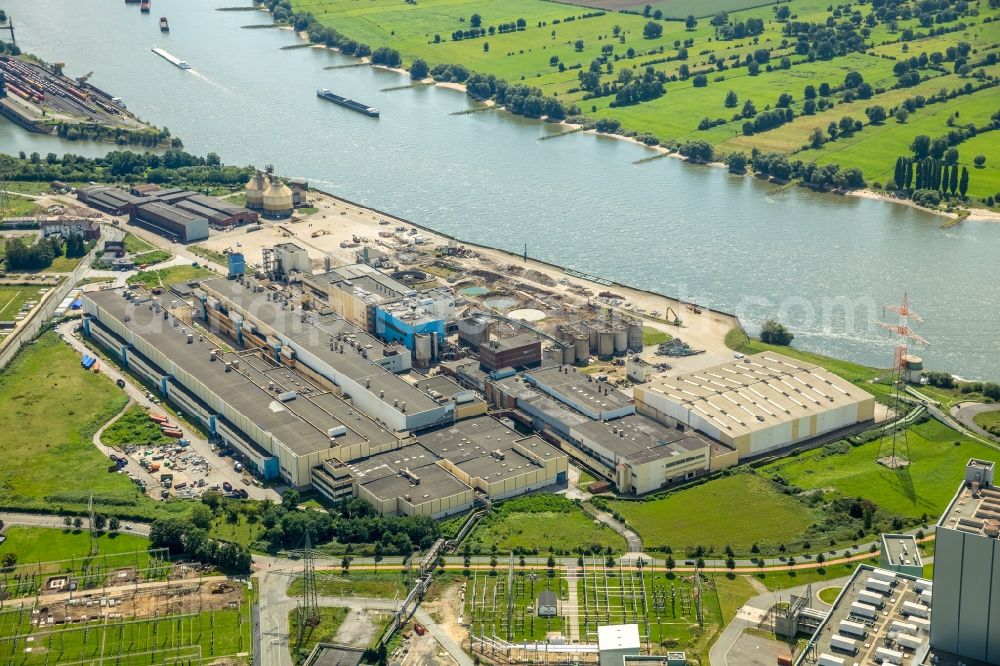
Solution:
(618, 637)
(758, 392)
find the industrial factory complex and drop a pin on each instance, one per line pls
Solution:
(356, 382)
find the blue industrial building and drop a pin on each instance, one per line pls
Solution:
(401, 323)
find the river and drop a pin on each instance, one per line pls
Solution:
(824, 264)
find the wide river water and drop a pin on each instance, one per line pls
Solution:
(824, 264)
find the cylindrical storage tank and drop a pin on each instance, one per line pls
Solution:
(635, 336)
(255, 190)
(592, 333)
(914, 368)
(582, 344)
(621, 340)
(569, 354)
(422, 350)
(278, 199)
(605, 343)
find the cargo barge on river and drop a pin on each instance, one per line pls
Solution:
(330, 96)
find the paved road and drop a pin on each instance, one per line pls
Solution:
(965, 413)
(46, 520)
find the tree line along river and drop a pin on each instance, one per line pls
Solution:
(822, 263)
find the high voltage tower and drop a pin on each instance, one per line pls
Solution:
(308, 610)
(894, 449)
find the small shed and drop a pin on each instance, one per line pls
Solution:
(548, 605)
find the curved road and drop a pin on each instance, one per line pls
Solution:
(966, 412)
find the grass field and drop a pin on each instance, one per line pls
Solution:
(706, 515)
(653, 336)
(134, 427)
(40, 544)
(330, 620)
(555, 34)
(134, 244)
(152, 257)
(383, 584)
(211, 255)
(12, 298)
(49, 410)
(167, 276)
(925, 487)
(989, 421)
(829, 594)
(544, 523)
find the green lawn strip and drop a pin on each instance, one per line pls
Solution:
(210, 255)
(542, 523)
(135, 245)
(989, 421)
(134, 427)
(381, 584)
(152, 257)
(829, 594)
(57, 407)
(923, 488)
(704, 515)
(43, 544)
(733, 593)
(586, 478)
(780, 580)
(329, 623)
(167, 276)
(653, 336)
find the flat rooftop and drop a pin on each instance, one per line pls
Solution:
(395, 474)
(512, 342)
(974, 512)
(889, 621)
(901, 549)
(252, 385)
(566, 382)
(639, 439)
(473, 446)
(331, 339)
(442, 385)
(758, 392)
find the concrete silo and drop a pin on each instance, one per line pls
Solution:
(256, 186)
(277, 199)
(635, 335)
(620, 333)
(582, 345)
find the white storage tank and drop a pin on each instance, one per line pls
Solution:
(853, 628)
(864, 610)
(844, 644)
(889, 656)
(422, 350)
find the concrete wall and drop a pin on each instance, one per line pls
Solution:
(966, 617)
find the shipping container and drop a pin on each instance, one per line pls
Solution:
(889, 656)
(922, 584)
(903, 627)
(908, 641)
(921, 623)
(784, 660)
(864, 610)
(926, 596)
(878, 585)
(853, 628)
(159, 418)
(844, 644)
(883, 574)
(910, 608)
(876, 600)
(829, 660)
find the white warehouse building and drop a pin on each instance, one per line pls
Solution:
(758, 403)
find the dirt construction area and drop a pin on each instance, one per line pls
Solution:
(174, 599)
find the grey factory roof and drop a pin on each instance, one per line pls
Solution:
(639, 439)
(318, 333)
(566, 381)
(471, 444)
(889, 621)
(974, 510)
(383, 475)
(216, 204)
(171, 213)
(208, 213)
(757, 392)
(440, 384)
(902, 549)
(513, 342)
(301, 424)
